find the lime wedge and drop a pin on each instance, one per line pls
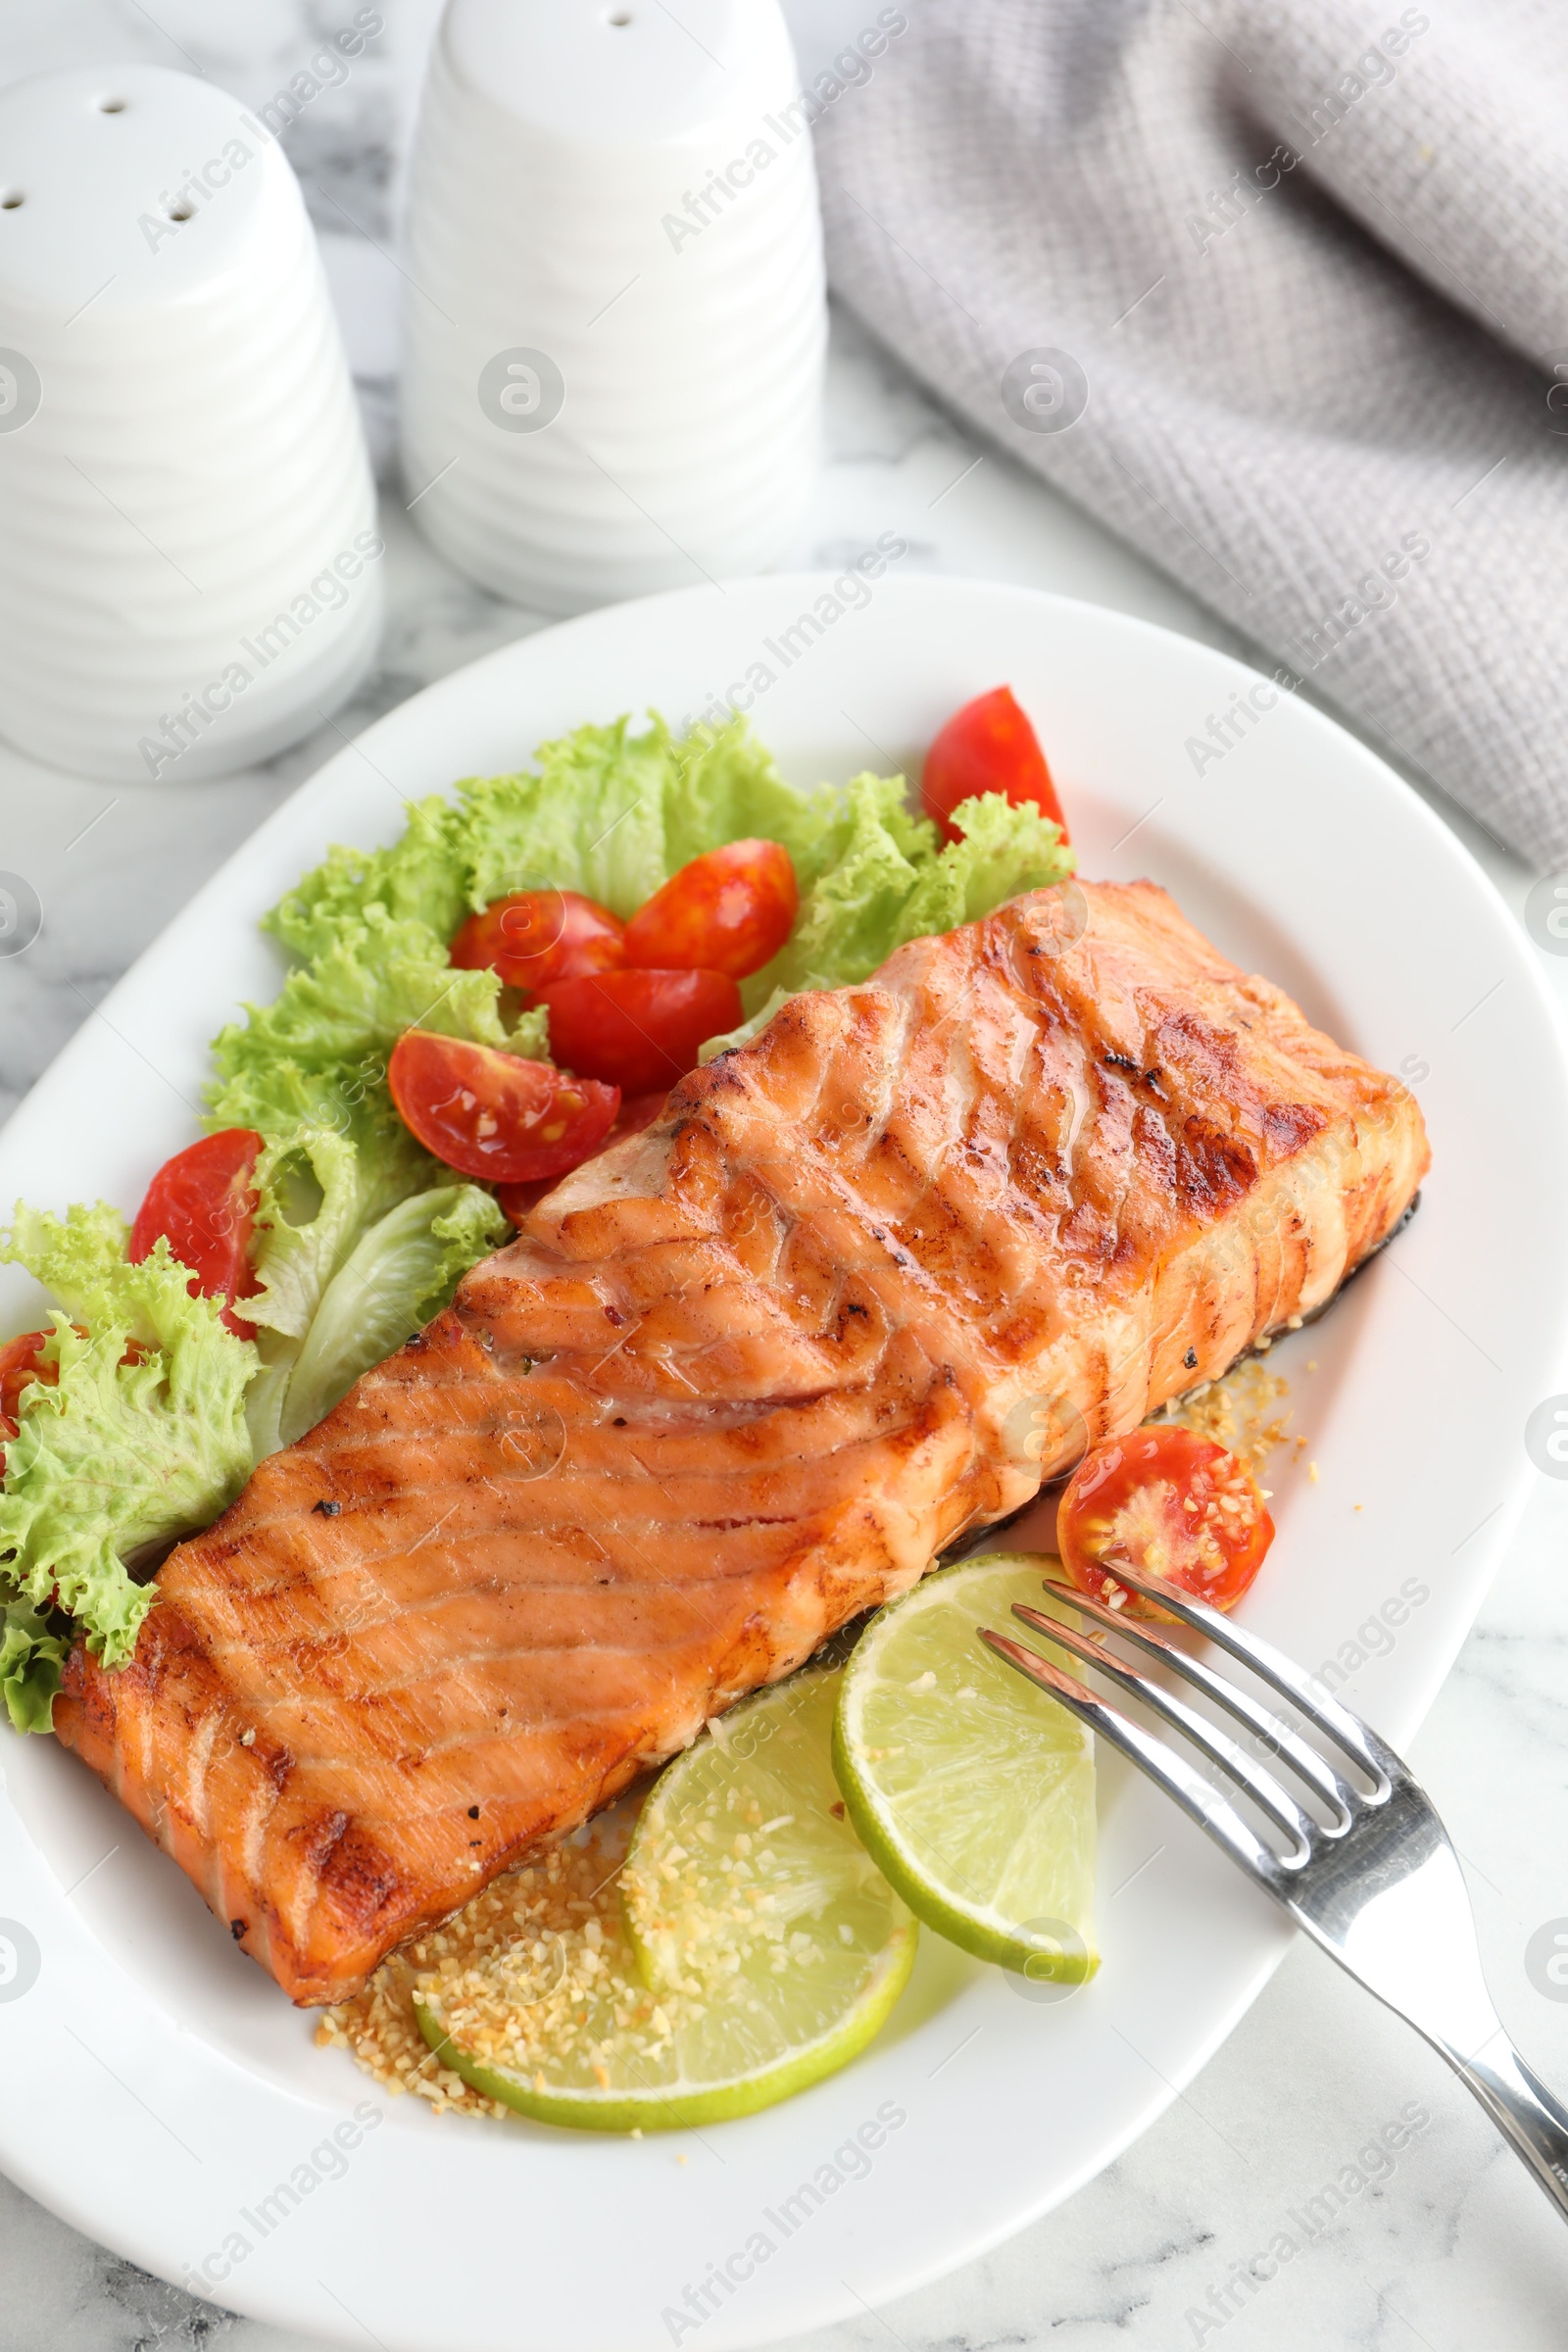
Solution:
(973, 1790)
(749, 1948)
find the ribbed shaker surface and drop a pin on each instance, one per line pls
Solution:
(191, 572)
(615, 315)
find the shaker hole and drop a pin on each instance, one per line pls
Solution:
(11, 199)
(111, 106)
(182, 211)
(622, 15)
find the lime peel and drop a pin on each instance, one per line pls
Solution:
(749, 1948)
(973, 1790)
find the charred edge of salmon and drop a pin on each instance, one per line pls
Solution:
(356, 1877)
(972, 1538)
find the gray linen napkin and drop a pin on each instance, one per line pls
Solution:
(1279, 290)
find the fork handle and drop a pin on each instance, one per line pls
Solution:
(1523, 2108)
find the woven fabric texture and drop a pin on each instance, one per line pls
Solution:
(1279, 290)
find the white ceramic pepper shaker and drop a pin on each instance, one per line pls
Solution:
(192, 576)
(614, 321)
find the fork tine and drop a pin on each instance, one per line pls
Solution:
(1264, 1791)
(1198, 1799)
(1157, 1644)
(1273, 1667)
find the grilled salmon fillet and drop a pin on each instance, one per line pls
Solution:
(869, 1281)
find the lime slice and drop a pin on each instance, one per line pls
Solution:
(749, 1948)
(973, 1790)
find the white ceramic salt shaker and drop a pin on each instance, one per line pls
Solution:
(615, 317)
(192, 576)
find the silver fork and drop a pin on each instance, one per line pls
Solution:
(1377, 1885)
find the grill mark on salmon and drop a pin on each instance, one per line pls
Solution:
(739, 1379)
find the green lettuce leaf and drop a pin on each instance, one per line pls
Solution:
(400, 1274)
(591, 818)
(349, 1006)
(421, 878)
(869, 864)
(883, 880)
(81, 1258)
(33, 1662)
(723, 786)
(318, 1193)
(117, 1459)
(1005, 851)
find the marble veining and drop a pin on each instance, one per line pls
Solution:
(1452, 2246)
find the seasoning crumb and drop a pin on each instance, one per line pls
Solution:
(328, 1510)
(836, 1808)
(520, 1944)
(1247, 1412)
(248, 1738)
(1312, 1472)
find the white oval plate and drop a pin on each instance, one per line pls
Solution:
(161, 2094)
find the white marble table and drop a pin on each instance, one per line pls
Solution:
(1454, 2248)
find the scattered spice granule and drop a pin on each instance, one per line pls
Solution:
(540, 1926)
(537, 1976)
(1243, 1412)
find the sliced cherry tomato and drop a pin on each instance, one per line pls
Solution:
(639, 1030)
(636, 1113)
(20, 1363)
(1166, 1501)
(729, 910)
(989, 746)
(496, 1115)
(204, 1203)
(537, 936)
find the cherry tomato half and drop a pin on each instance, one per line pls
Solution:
(204, 1203)
(20, 1363)
(537, 936)
(636, 1113)
(1177, 1506)
(729, 910)
(639, 1030)
(989, 746)
(496, 1115)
